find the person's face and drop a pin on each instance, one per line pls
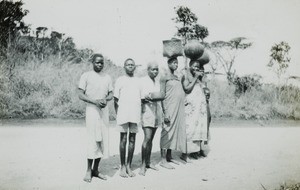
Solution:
(153, 71)
(129, 67)
(98, 64)
(195, 67)
(173, 65)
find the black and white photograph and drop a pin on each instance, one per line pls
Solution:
(150, 95)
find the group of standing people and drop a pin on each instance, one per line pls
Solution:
(178, 104)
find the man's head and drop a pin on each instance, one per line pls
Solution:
(98, 62)
(129, 66)
(152, 69)
(173, 63)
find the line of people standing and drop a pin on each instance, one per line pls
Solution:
(178, 105)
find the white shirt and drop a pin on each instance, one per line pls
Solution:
(149, 86)
(96, 85)
(128, 91)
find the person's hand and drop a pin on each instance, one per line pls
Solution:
(101, 103)
(148, 98)
(207, 93)
(167, 119)
(199, 74)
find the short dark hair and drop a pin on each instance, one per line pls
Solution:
(196, 61)
(171, 59)
(128, 59)
(94, 56)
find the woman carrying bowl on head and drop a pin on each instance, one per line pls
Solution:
(195, 109)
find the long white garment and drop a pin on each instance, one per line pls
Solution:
(196, 117)
(128, 91)
(96, 86)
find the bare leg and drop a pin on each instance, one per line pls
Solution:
(164, 162)
(194, 155)
(123, 142)
(169, 157)
(201, 152)
(148, 158)
(184, 157)
(145, 147)
(88, 175)
(95, 171)
(131, 147)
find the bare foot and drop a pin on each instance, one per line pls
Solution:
(201, 153)
(129, 172)
(188, 160)
(166, 165)
(185, 158)
(142, 171)
(194, 156)
(123, 172)
(99, 175)
(88, 176)
(151, 166)
(170, 159)
(173, 161)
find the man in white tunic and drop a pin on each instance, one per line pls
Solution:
(95, 88)
(127, 97)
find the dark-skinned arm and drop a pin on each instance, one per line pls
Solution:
(116, 100)
(189, 86)
(82, 96)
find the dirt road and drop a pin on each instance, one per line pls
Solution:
(50, 154)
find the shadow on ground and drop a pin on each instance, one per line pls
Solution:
(113, 162)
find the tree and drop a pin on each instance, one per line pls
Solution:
(57, 39)
(280, 58)
(11, 23)
(226, 53)
(68, 48)
(200, 32)
(187, 19)
(189, 29)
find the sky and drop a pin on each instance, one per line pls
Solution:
(120, 29)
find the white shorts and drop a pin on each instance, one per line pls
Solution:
(151, 115)
(131, 127)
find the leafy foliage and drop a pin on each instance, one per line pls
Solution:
(189, 28)
(11, 23)
(200, 31)
(246, 83)
(280, 58)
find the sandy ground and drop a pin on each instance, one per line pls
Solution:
(50, 154)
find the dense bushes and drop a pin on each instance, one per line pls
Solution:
(259, 102)
(42, 90)
(48, 89)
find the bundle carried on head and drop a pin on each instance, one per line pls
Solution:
(195, 51)
(172, 48)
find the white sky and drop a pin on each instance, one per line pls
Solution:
(135, 28)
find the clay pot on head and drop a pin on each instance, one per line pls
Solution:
(193, 49)
(204, 59)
